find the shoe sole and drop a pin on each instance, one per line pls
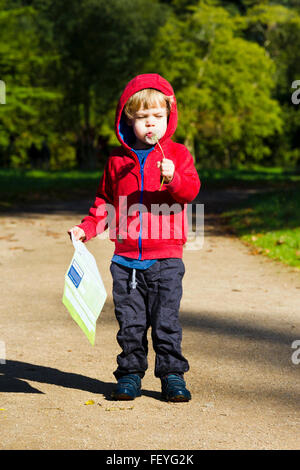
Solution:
(177, 399)
(123, 397)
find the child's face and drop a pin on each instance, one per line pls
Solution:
(147, 122)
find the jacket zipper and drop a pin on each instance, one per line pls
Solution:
(141, 202)
(141, 214)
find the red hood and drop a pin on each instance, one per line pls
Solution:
(148, 80)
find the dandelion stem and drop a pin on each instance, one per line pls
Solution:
(156, 140)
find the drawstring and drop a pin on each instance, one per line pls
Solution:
(133, 283)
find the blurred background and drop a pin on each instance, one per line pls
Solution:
(231, 63)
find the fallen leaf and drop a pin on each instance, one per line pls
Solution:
(256, 251)
(89, 402)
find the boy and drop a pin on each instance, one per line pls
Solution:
(147, 267)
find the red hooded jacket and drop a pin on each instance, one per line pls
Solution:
(144, 223)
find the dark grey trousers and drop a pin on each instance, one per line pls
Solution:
(154, 302)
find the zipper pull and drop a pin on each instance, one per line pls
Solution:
(133, 283)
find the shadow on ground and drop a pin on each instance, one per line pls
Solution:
(13, 376)
(15, 372)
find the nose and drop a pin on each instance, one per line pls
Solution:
(150, 121)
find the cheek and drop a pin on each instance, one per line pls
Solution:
(137, 127)
(164, 124)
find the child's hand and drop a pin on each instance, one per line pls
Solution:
(167, 169)
(78, 233)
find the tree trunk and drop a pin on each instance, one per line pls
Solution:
(86, 152)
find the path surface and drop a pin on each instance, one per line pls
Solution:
(240, 315)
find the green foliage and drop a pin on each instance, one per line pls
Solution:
(231, 64)
(65, 64)
(223, 85)
(101, 46)
(22, 63)
(277, 29)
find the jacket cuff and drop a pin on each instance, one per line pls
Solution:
(88, 229)
(175, 184)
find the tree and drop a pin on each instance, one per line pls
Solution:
(223, 85)
(101, 46)
(21, 62)
(65, 64)
(277, 29)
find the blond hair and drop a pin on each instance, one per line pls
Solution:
(145, 99)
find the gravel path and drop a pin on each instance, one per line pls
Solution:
(240, 315)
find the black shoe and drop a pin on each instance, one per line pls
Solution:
(128, 388)
(173, 389)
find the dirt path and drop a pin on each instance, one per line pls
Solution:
(240, 315)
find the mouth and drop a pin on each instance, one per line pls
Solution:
(152, 137)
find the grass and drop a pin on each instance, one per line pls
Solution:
(270, 222)
(256, 176)
(38, 185)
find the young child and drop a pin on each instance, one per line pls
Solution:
(148, 171)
